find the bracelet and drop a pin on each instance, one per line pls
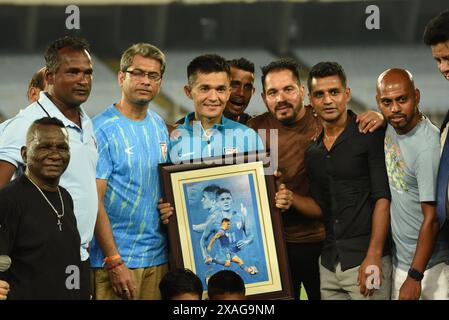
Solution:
(109, 259)
(108, 268)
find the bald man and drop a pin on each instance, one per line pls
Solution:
(412, 149)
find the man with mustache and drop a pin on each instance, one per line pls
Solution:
(242, 89)
(130, 248)
(68, 74)
(296, 127)
(412, 155)
(349, 182)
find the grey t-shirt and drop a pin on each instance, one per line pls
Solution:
(412, 164)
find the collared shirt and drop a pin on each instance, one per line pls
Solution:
(346, 182)
(130, 152)
(79, 177)
(190, 141)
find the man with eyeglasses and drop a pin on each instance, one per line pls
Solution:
(129, 252)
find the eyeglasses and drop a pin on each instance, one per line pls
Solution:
(140, 74)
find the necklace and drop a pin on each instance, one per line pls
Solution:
(48, 201)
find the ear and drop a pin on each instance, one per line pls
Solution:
(417, 96)
(264, 97)
(378, 101)
(348, 94)
(302, 91)
(33, 94)
(188, 92)
(23, 153)
(120, 78)
(49, 77)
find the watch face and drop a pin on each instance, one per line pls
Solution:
(415, 274)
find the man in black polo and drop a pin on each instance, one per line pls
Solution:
(349, 182)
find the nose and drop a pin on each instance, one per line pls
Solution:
(84, 78)
(213, 95)
(395, 108)
(239, 90)
(279, 97)
(327, 98)
(444, 65)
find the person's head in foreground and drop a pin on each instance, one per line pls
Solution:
(181, 284)
(226, 285)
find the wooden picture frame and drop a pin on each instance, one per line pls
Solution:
(247, 199)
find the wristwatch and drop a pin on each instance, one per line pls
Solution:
(415, 274)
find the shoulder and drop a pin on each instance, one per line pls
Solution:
(230, 124)
(106, 122)
(12, 191)
(259, 121)
(431, 131)
(23, 119)
(105, 119)
(156, 117)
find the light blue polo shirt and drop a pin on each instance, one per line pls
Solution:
(190, 141)
(79, 177)
(130, 152)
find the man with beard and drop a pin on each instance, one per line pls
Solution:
(296, 127)
(68, 74)
(412, 155)
(436, 35)
(132, 140)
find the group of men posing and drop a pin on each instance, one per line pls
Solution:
(347, 184)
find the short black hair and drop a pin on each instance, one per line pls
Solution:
(326, 69)
(178, 282)
(212, 188)
(207, 63)
(225, 281)
(49, 121)
(242, 64)
(225, 220)
(278, 65)
(223, 190)
(45, 121)
(52, 51)
(437, 30)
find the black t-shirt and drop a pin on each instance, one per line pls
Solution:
(45, 260)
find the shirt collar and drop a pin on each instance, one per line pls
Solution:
(53, 111)
(348, 131)
(218, 126)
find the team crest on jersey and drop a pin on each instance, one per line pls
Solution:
(228, 150)
(163, 147)
(239, 225)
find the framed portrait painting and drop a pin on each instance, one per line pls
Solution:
(225, 219)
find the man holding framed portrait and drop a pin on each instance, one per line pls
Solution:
(206, 132)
